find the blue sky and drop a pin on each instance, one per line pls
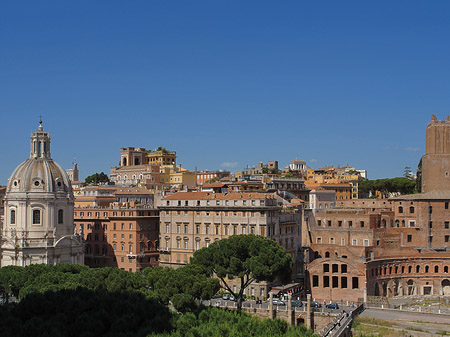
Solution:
(224, 83)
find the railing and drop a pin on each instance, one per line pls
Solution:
(341, 324)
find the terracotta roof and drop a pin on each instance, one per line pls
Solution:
(210, 195)
(133, 190)
(212, 185)
(436, 195)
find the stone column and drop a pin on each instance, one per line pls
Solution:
(308, 312)
(365, 296)
(290, 312)
(271, 311)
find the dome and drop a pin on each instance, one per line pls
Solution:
(40, 173)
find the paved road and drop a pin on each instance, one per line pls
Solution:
(396, 315)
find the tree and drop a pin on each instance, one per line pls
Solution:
(97, 178)
(419, 177)
(246, 257)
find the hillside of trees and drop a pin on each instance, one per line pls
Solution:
(75, 300)
(401, 185)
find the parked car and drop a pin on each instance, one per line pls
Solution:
(258, 301)
(217, 295)
(297, 303)
(316, 305)
(226, 296)
(232, 298)
(333, 306)
(276, 301)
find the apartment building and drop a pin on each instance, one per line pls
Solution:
(192, 220)
(125, 236)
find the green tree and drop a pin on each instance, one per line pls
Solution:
(419, 177)
(97, 178)
(248, 258)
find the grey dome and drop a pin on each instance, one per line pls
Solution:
(39, 175)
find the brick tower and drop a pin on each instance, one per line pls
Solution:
(436, 161)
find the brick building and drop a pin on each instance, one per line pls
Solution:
(122, 236)
(397, 247)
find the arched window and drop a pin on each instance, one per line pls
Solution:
(60, 216)
(411, 210)
(327, 254)
(417, 269)
(13, 217)
(36, 217)
(436, 269)
(446, 269)
(410, 269)
(400, 209)
(427, 269)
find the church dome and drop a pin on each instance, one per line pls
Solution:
(40, 173)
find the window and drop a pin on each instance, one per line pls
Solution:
(412, 223)
(319, 240)
(354, 242)
(335, 281)
(411, 210)
(36, 217)
(131, 236)
(342, 241)
(315, 280)
(335, 268)
(430, 224)
(186, 244)
(350, 224)
(344, 282)
(178, 229)
(447, 225)
(114, 246)
(400, 209)
(197, 245)
(340, 223)
(446, 205)
(447, 238)
(13, 217)
(366, 242)
(326, 281)
(430, 209)
(167, 228)
(332, 241)
(409, 238)
(178, 243)
(362, 224)
(355, 283)
(185, 229)
(326, 267)
(197, 229)
(329, 223)
(319, 222)
(343, 268)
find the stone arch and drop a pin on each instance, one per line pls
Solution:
(377, 290)
(327, 254)
(384, 288)
(445, 286)
(411, 288)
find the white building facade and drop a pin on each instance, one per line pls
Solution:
(38, 225)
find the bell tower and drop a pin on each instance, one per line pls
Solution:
(40, 143)
(436, 161)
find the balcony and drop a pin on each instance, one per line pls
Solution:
(163, 250)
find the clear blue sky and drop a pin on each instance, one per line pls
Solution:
(224, 83)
